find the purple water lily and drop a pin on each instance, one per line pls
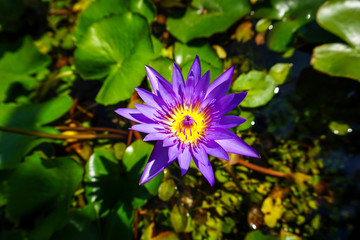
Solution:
(188, 120)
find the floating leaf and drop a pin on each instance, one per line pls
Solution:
(249, 116)
(167, 189)
(339, 128)
(101, 9)
(280, 72)
(185, 54)
(272, 211)
(259, 85)
(207, 17)
(116, 48)
(27, 117)
(337, 59)
(178, 218)
(341, 18)
(17, 66)
(258, 235)
(262, 25)
(42, 184)
(243, 32)
(164, 66)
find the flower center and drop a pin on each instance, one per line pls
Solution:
(188, 124)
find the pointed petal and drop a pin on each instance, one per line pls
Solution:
(184, 160)
(199, 153)
(238, 146)
(174, 152)
(150, 98)
(155, 78)
(214, 149)
(148, 111)
(230, 121)
(157, 162)
(147, 128)
(205, 169)
(155, 136)
(222, 78)
(229, 102)
(133, 115)
(218, 92)
(167, 94)
(178, 81)
(202, 85)
(170, 141)
(219, 133)
(195, 71)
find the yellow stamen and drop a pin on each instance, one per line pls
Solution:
(188, 123)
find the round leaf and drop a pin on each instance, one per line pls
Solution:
(260, 88)
(207, 17)
(167, 190)
(116, 48)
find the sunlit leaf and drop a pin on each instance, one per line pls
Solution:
(280, 72)
(179, 218)
(167, 190)
(260, 88)
(258, 235)
(207, 17)
(116, 48)
(339, 128)
(272, 210)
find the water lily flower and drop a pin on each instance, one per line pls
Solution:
(188, 120)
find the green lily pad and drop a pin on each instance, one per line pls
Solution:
(292, 15)
(17, 66)
(185, 55)
(116, 48)
(280, 72)
(42, 184)
(167, 190)
(342, 19)
(258, 235)
(207, 17)
(163, 66)
(179, 218)
(339, 128)
(101, 9)
(337, 59)
(249, 116)
(260, 88)
(27, 117)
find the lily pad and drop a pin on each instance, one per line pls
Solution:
(280, 72)
(17, 66)
(339, 128)
(185, 54)
(337, 59)
(179, 218)
(101, 9)
(342, 19)
(167, 190)
(260, 88)
(207, 17)
(249, 116)
(27, 117)
(116, 48)
(42, 184)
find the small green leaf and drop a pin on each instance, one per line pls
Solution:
(163, 66)
(280, 72)
(249, 116)
(207, 17)
(258, 235)
(17, 66)
(167, 190)
(339, 128)
(42, 184)
(337, 59)
(116, 48)
(341, 18)
(262, 25)
(178, 218)
(260, 88)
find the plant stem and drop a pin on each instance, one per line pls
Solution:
(59, 136)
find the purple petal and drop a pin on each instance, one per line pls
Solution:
(195, 71)
(184, 160)
(174, 152)
(167, 93)
(170, 141)
(150, 98)
(147, 128)
(219, 133)
(148, 111)
(229, 102)
(155, 136)
(157, 162)
(200, 154)
(203, 84)
(230, 121)
(222, 78)
(133, 115)
(178, 81)
(216, 93)
(238, 146)
(214, 149)
(155, 78)
(205, 169)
